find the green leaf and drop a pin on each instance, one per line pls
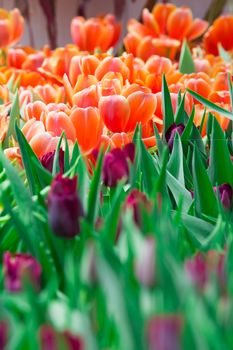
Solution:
(14, 118)
(180, 111)
(205, 199)
(149, 172)
(211, 105)
(56, 165)
(159, 142)
(221, 167)
(37, 176)
(94, 192)
(168, 115)
(175, 164)
(188, 128)
(186, 63)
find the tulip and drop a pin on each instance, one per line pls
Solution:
(17, 268)
(137, 200)
(115, 167)
(50, 339)
(35, 110)
(11, 27)
(3, 334)
(115, 111)
(170, 133)
(196, 269)
(88, 126)
(145, 263)
(63, 198)
(226, 194)
(48, 159)
(219, 33)
(95, 33)
(57, 122)
(164, 332)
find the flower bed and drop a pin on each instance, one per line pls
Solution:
(116, 185)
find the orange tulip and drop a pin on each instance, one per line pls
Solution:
(88, 126)
(121, 139)
(121, 114)
(95, 33)
(57, 122)
(219, 32)
(115, 111)
(43, 142)
(86, 98)
(162, 31)
(35, 110)
(112, 64)
(11, 27)
(82, 64)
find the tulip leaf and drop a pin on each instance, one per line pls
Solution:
(149, 172)
(188, 128)
(186, 63)
(175, 164)
(219, 157)
(56, 163)
(14, 118)
(211, 105)
(180, 114)
(159, 142)
(94, 192)
(168, 115)
(37, 176)
(205, 199)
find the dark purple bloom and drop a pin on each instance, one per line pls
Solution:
(20, 267)
(48, 158)
(137, 200)
(170, 133)
(129, 151)
(115, 167)
(64, 207)
(164, 332)
(3, 334)
(226, 194)
(50, 339)
(145, 264)
(197, 270)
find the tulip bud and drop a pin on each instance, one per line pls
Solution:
(50, 339)
(17, 268)
(226, 194)
(48, 159)
(137, 200)
(145, 264)
(115, 167)
(64, 207)
(164, 332)
(196, 269)
(3, 334)
(170, 133)
(129, 151)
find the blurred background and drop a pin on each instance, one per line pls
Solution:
(48, 21)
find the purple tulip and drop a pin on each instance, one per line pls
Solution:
(17, 268)
(145, 264)
(137, 200)
(48, 159)
(115, 167)
(129, 151)
(164, 332)
(64, 207)
(226, 194)
(3, 334)
(170, 133)
(197, 270)
(50, 339)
